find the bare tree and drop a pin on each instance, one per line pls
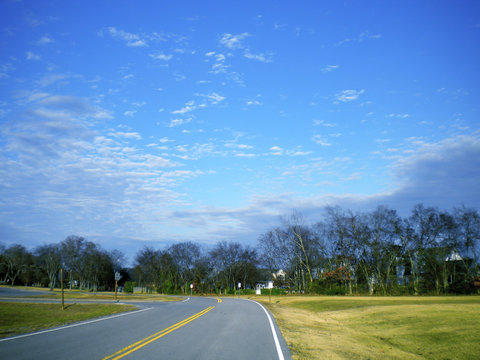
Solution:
(185, 256)
(468, 221)
(71, 250)
(17, 260)
(49, 259)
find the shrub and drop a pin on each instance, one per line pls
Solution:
(129, 286)
(335, 291)
(275, 291)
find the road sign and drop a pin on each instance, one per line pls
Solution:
(270, 284)
(117, 276)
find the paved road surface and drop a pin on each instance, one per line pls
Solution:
(198, 328)
(6, 291)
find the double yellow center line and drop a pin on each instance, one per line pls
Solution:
(139, 344)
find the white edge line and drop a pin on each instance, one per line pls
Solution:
(185, 300)
(74, 325)
(275, 337)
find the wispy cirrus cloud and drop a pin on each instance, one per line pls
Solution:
(321, 140)
(398, 116)
(32, 56)
(233, 42)
(44, 40)
(259, 57)
(348, 95)
(126, 135)
(214, 98)
(317, 122)
(366, 35)
(276, 150)
(329, 68)
(55, 165)
(178, 122)
(161, 56)
(189, 106)
(130, 39)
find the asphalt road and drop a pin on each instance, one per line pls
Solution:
(198, 328)
(6, 291)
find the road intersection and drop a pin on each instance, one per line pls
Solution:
(196, 328)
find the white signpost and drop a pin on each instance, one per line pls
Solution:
(270, 287)
(191, 289)
(118, 276)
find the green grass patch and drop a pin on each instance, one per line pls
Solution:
(20, 318)
(103, 295)
(379, 327)
(337, 303)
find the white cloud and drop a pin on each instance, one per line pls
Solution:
(329, 68)
(259, 57)
(348, 95)
(44, 40)
(53, 78)
(298, 153)
(189, 106)
(321, 140)
(179, 77)
(213, 97)
(126, 135)
(219, 68)
(32, 56)
(398, 116)
(253, 102)
(131, 39)
(245, 155)
(359, 38)
(129, 113)
(233, 41)
(238, 146)
(178, 122)
(276, 150)
(323, 123)
(65, 106)
(163, 57)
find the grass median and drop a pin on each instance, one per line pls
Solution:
(20, 318)
(379, 327)
(56, 294)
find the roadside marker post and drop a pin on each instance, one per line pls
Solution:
(191, 289)
(270, 286)
(61, 282)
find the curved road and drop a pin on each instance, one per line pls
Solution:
(197, 328)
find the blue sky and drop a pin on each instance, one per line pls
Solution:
(134, 123)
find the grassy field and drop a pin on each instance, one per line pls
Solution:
(19, 318)
(379, 327)
(101, 295)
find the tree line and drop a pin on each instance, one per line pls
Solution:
(428, 252)
(377, 252)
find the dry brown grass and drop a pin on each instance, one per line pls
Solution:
(379, 328)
